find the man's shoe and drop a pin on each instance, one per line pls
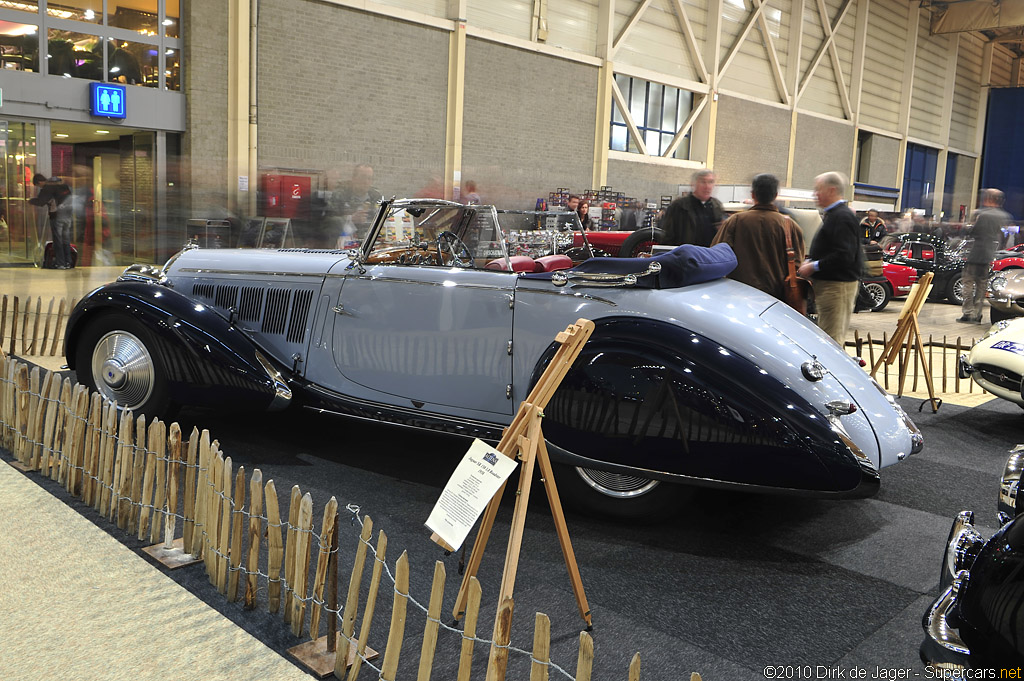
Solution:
(968, 320)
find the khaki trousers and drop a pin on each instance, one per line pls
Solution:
(834, 300)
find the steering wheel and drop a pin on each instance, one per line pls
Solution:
(451, 243)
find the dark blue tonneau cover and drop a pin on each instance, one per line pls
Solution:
(682, 266)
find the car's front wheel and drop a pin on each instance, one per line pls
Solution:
(879, 295)
(617, 495)
(116, 357)
(955, 289)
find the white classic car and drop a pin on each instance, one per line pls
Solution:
(996, 362)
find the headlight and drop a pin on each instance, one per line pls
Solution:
(996, 328)
(997, 283)
(1008, 484)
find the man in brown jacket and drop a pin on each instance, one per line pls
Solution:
(758, 237)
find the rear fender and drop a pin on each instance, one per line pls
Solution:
(653, 396)
(208, 361)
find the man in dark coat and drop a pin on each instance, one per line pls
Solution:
(758, 237)
(694, 218)
(55, 195)
(989, 221)
(873, 228)
(835, 261)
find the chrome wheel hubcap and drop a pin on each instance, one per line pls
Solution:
(123, 369)
(877, 294)
(958, 291)
(615, 484)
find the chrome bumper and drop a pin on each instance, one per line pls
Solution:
(963, 367)
(942, 647)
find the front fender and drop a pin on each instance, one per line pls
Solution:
(650, 396)
(208, 362)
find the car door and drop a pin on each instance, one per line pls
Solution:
(411, 331)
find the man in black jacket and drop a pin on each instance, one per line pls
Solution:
(694, 218)
(834, 260)
(54, 194)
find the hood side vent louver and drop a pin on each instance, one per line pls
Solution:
(300, 313)
(277, 311)
(250, 304)
(202, 290)
(227, 297)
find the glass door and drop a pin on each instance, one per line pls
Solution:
(25, 225)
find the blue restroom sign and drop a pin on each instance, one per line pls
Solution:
(107, 100)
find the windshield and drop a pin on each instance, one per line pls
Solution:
(435, 233)
(536, 234)
(431, 232)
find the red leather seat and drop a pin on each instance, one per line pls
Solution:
(552, 263)
(520, 263)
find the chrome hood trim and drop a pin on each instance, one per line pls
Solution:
(145, 273)
(282, 393)
(602, 279)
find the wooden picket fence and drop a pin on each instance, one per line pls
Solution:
(941, 358)
(186, 497)
(31, 328)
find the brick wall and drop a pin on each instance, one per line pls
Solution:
(880, 165)
(205, 142)
(822, 145)
(962, 186)
(647, 181)
(750, 138)
(339, 87)
(528, 125)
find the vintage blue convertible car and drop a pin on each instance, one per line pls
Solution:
(444, 318)
(977, 622)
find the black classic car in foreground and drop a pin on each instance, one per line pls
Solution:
(977, 622)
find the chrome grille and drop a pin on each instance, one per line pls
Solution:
(998, 376)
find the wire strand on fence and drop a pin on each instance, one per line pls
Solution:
(132, 498)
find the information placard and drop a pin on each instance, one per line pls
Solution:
(475, 481)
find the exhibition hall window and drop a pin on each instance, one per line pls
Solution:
(19, 46)
(134, 42)
(135, 15)
(24, 5)
(76, 10)
(74, 55)
(657, 111)
(171, 19)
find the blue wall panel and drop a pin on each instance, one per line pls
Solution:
(1003, 160)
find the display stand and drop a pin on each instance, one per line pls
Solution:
(524, 440)
(907, 338)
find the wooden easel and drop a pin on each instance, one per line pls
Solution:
(524, 440)
(907, 337)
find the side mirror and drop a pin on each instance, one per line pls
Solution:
(1008, 505)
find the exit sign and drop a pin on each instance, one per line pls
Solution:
(107, 100)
